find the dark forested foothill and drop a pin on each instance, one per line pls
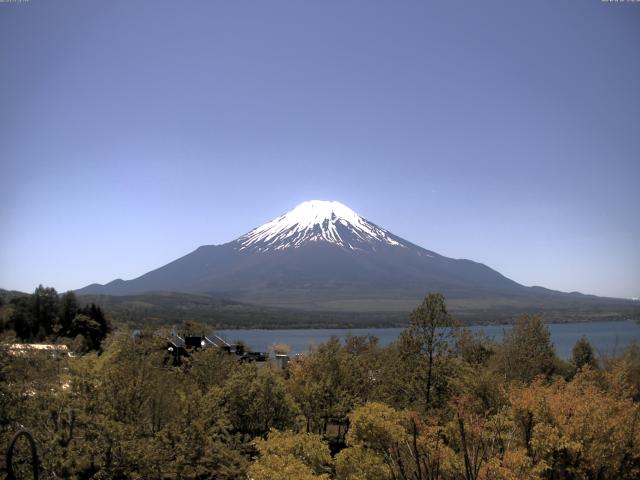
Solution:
(440, 403)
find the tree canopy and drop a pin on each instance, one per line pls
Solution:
(438, 404)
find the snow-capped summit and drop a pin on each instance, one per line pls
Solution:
(317, 221)
(324, 256)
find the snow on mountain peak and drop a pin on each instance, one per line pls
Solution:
(315, 212)
(317, 221)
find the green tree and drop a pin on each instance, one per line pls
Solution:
(426, 345)
(527, 351)
(86, 333)
(292, 456)
(583, 354)
(45, 307)
(154, 422)
(386, 443)
(578, 430)
(68, 311)
(330, 380)
(474, 348)
(22, 319)
(89, 327)
(94, 312)
(256, 400)
(630, 363)
(360, 463)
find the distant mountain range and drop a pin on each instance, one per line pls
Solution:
(322, 256)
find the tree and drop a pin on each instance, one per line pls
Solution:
(45, 314)
(210, 366)
(68, 311)
(256, 401)
(385, 443)
(583, 354)
(22, 319)
(474, 348)
(374, 438)
(484, 441)
(427, 343)
(527, 351)
(292, 456)
(44, 304)
(94, 312)
(87, 333)
(627, 366)
(91, 325)
(35, 317)
(360, 463)
(326, 384)
(578, 428)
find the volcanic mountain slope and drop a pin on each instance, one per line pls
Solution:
(322, 255)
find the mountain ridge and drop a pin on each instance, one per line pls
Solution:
(323, 255)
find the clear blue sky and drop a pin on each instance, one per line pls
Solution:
(131, 132)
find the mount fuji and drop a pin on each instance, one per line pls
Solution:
(323, 256)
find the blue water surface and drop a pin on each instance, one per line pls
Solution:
(608, 337)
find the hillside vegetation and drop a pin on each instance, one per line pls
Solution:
(169, 308)
(156, 309)
(440, 404)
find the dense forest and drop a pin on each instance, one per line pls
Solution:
(45, 315)
(439, 403)
(161, 309)
(167, 308)
(157, 309)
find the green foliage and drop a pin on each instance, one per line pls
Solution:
(386, 443)
(583, 354)
(23, 320)
(292, 456)
(527, 351)
(332, 379)
(426, 347)
(87, 332)
(44, 308)
(360, 463)
(352, 411)
(68, 311)
(578, 428)
(629, 363)
(256, 400)
(119, 415)
(47, 316)
(164, 309)
(377, 426)
(474, 348)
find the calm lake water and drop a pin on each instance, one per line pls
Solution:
(606, 337)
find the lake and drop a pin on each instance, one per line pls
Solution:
(607, 337)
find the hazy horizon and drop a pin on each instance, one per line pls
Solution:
(508, 134)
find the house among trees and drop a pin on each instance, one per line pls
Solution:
(180, 347)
